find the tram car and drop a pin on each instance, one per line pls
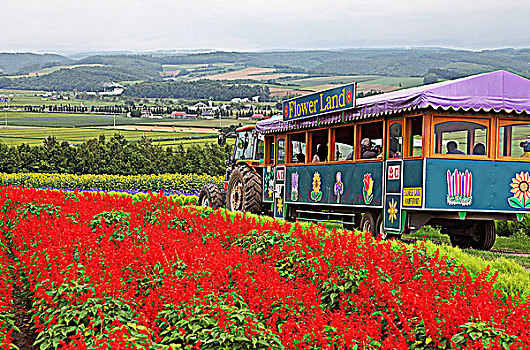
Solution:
(454, 154)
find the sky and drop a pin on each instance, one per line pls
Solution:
(235, 25)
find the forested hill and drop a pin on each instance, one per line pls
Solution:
(11, 63)
(386, 62)
(156, 71)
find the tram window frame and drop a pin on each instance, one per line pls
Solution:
(269, 150)
(510, 122)
(408, 137)
(360, 136)
(278, 153)
(311, 138)
(351, 128)
(290, 148)
(483, 121)
(391, 123)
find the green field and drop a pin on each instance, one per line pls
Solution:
(65, 119)
(395, 81)
(28, 98)
(78, 135)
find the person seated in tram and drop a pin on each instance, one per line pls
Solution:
(300, 158)
(452, 148)
(321, 155)
(526, 148)
(479, 149)
(367, 152)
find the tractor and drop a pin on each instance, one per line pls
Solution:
(242, 189)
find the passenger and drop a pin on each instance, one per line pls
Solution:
(350, 156)
(479, 149)
(452, 148)
(300, 158)
(321, 155)
(526, 148)
(366, 149)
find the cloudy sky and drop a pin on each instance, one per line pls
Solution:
(144, 25)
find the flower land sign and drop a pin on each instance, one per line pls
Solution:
(459, 188)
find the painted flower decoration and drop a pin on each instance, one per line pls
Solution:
(392, 210)
(294, 186)
(279, 205)
(348, 96)
(316, 194)
(286, 111)
(294, 180)
(339, 186)
(521, 191)
(368, 187)
(316, 182)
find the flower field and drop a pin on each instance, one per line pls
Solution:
(169, 183)
(112, 272)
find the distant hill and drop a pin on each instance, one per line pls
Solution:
(11, 63)
(284, 66)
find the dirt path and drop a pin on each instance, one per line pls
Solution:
(22, 306)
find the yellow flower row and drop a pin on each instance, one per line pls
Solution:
(183, 183)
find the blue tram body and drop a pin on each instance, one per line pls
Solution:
(454, 154)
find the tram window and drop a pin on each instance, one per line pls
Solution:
(371, 140)
(260, 150)
(458, 137)
(319, 146)
(269, 151)
(281, 150)
(415, 130)
(297, 148)
(514, 141)
(343, 148)
(395, 132)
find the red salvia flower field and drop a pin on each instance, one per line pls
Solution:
(112, 273)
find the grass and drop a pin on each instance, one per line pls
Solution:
(78, 135)
(65, 119)
(405, 82)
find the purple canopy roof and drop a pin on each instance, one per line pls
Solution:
(495, 91)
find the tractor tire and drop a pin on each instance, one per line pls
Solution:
(244, 190)
(210, 196)
(485, 237)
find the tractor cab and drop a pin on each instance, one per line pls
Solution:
(248, 148)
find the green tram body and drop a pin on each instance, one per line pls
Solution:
(463, 193)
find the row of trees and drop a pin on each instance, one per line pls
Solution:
(113, 156)
(201, 89)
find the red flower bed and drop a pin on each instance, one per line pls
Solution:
(107, 272)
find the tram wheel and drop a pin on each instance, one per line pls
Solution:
(485, 236)
(461, 242)
(370, 224)
(380, 227)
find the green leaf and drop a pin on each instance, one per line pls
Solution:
(515, 202)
